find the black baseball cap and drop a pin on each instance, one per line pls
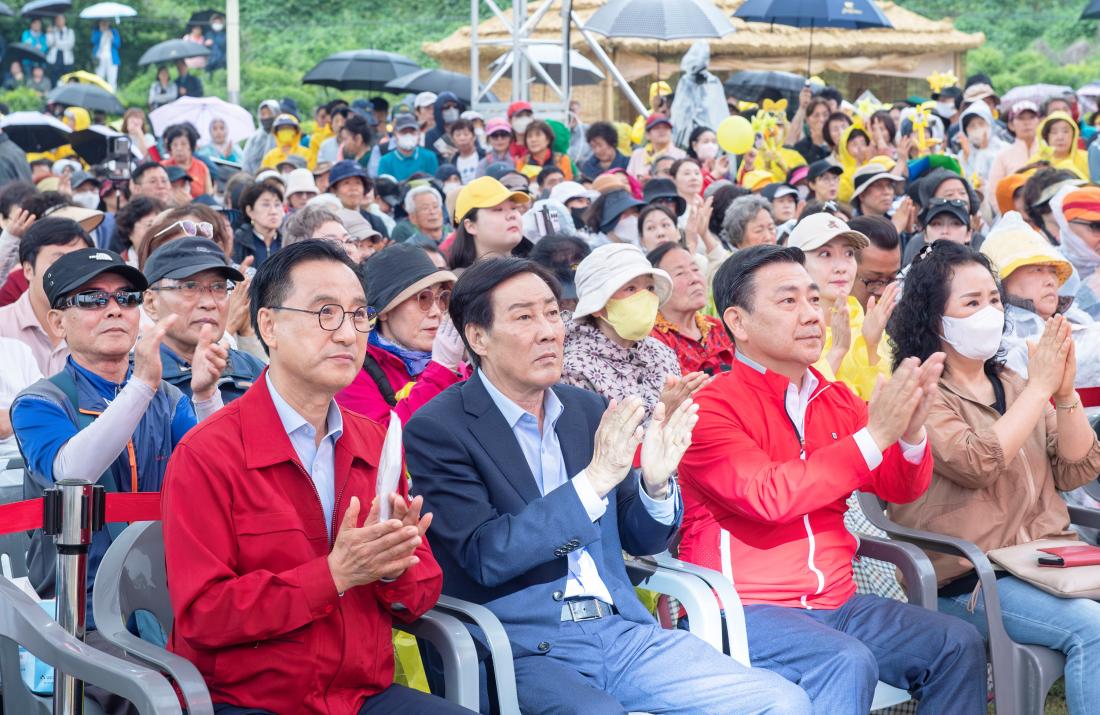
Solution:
(823, 166)
(778, 190)
(77, 268)
(187, 256)
(175, 174)
(956, 207)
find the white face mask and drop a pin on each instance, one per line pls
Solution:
(945, 109)
(450, 115)
(86, 199)
(407, 142)
(520, 124)
(626, 230)
(976, 336)
(706, 151)
(479, 132)
(217, 26)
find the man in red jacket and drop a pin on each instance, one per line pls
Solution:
(283, 594)
(776, 452)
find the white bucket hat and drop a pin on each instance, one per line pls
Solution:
(301, 181)
(610, 267)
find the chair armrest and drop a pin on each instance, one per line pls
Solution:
(733, 614)
(916, 568)
(109, 623)
(500, 648)
(23, 621)
(453, 643)
(1084, 516)
(704, 617)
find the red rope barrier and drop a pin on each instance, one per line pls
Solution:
(137, 506)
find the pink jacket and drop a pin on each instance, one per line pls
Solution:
(364, 397)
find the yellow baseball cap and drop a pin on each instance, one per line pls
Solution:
(1012, 244)
(484, 193)
(755, 181)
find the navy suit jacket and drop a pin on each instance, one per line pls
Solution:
(499, 541)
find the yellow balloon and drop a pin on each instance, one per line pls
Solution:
(735, 134)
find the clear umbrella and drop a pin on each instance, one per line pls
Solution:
(200, 111)
(107, 11)
(582, 69)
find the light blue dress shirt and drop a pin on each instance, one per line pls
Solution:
(319, 460)
(544, 457)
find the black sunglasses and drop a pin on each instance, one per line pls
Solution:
(98, 299)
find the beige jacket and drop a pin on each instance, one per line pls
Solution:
(980, 494)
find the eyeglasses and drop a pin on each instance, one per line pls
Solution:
(331, 316)
(348, 240)
(190, 228)
(1093, 226)
(98, 299)
(190, 290)
(426, 297)
(877, 283)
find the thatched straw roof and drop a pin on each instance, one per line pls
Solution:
(904, 49)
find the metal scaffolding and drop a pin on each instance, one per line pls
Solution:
(522, 67)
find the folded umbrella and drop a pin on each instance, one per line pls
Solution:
(89, 96)
(35, 131)
(93, 144)
(359, 69)
(200, 111)
(171, 50)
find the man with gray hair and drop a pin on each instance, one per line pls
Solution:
(424, 224)
(748, 222)
(346, 228)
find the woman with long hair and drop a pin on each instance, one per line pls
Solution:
(488, 222)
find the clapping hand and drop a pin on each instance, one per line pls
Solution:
(378, 549)
(207, 364)
(617, 439)
(147, 363)
(21, 220)
(878, 315)
(1047, 359)
(899, 406)
(664, 445)
(678, 389)
(840, 324)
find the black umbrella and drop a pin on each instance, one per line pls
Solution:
(360, 69)
(437, 81)
(20, 52)
(45, 8)
(171, 50)
(847, 15)
(1091, 11)
(89, 96)
(758, 85)
(35, 131)
(202, 18)
(93, 144)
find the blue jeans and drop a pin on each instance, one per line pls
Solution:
(1069, 625)
(613, 665)
(838, 656)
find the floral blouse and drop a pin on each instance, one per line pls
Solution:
(712, 354)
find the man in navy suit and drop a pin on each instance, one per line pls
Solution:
(533, 500)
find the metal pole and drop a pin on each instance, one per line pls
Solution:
(475, 61)
(233, 50)
(567, 59)
(520, 90)
(610, 67)
(73, 510)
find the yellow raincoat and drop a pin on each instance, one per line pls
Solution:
(1077, 161)
(76, 118)
(637, 133)
(283, 151)
(850, 164)
(856, 370)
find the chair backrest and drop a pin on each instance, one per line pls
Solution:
(142, 582)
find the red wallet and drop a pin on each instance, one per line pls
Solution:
(1083, 555)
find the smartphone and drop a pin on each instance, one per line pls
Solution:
(1051, 561)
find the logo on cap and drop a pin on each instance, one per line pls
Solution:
(834, 224)
(202, 249)
(99, 257)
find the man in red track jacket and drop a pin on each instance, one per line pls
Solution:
(776, 452)
(283, 594)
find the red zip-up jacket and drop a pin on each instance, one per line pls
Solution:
(767, 508)
(246, 546)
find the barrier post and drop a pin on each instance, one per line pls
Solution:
(72, 512)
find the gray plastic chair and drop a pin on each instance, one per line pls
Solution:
(1022, 673)
(24, 622)
(920, 580)
(132, 577)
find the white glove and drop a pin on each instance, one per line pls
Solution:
(447, 348)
